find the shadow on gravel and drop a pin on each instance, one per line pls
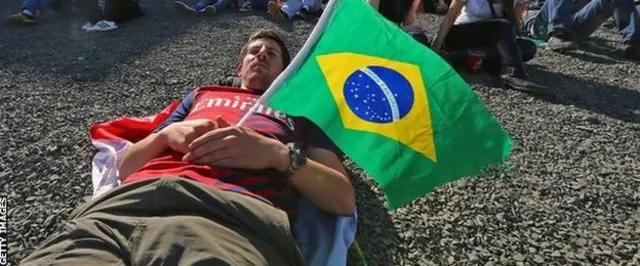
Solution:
(59, 45)
(596, 56)
(612, 101)
(376, 234)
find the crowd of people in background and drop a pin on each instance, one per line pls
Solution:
(499, 35)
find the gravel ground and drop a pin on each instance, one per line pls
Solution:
(572, 197)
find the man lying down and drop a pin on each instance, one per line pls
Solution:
(199, 191)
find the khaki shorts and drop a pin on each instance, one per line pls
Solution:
(171, 221)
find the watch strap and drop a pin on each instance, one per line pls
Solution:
(297, 159)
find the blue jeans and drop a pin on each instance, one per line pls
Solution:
(44, 5)
(581, 18)
(36, 5)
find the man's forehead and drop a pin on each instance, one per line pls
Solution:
(271, 44)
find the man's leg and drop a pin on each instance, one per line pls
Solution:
(213, 227)
(171, 220)
(93, 235)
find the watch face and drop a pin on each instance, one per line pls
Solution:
(299, 155)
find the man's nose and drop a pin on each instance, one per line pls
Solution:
(262, 54)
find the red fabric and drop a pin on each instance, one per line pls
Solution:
(132, 129)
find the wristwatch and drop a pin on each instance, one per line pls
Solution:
(297, 159)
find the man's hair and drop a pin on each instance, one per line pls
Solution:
(270, 35)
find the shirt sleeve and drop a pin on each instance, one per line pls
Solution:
(313, 136)
(179, 114)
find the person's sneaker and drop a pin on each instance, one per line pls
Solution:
(23, 18)
(209, 10)
(561, 45)
(182, 7)
(632, 52)
(523, 85)
(86, 26)
(275, 11)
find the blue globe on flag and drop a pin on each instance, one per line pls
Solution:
(378, 94)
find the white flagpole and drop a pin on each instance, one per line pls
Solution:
(318, 30)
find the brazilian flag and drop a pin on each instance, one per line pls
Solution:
(392, 105)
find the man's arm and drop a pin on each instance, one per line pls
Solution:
(153, 145)
(324, 181)
(141, 153)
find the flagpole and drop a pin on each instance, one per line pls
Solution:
(318, 30)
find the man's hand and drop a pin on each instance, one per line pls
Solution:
(237, 147)
(180, 134)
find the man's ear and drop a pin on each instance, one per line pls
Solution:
(239, 69)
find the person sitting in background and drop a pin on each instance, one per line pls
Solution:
(471, 24)
(566, 23)
(208, 7)
(294, 8)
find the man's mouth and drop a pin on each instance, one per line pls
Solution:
(260, 66)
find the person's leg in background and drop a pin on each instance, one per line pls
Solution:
(421, 37)
(500, 33)
(310, 7)
(30, 14)
(286, 10)
(625, 14)
(211, 7)
(528, 49)
(492, 62)
(552, 24)
(631, 35)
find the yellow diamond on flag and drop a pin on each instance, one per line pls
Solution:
(382, 96)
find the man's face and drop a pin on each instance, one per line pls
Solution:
(261, 65)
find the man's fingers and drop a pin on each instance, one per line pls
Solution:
(214, 146)
(219, 158)
(205, 126)
(222, 122)
(212, 135)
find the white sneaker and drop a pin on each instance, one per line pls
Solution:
(86, 26)
(103, 25)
